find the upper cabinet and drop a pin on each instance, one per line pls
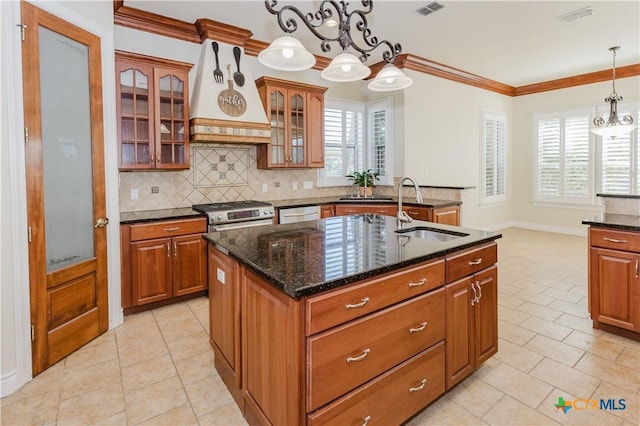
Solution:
(153, 112)
(296, 113)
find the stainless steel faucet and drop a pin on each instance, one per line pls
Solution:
(402, 216)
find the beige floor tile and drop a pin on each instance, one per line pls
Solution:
(628, 343)
(567, 379)
(630, 358)
(170, 314)
(580, 289)
(506, 289)
(109, 336)
(577, 309)
(91, 355)
(208, 394)
(119, 419)
(528, 285)
(182, 415)
(155, 399)
(517, 356)
(575, 416)
(196, 367)
(228, 414)
(27, 408)
(599, 345)
(524, 388)
(198, 303)
(584, 325)
(546, 328)
(445, 412)
(631, 411)
(555, 350)
(620, 375)
(565, 295)
(555, 283)
(89, 407)
(539, 311)
(77, 381)
(142, 325)
(511, 412)
(475, 396)
(532, 297)
(144, 373)
(141, 350)
(189, 346)
(509, 301)
(513, 333)
(181, 328)
(511, 315)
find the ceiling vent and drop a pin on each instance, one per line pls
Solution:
(430, 8)
(576, 14)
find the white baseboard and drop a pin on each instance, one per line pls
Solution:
(9, 383)
(569, 230)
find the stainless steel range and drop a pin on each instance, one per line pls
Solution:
(236, 214)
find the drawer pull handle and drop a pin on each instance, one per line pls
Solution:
(418, 284)
(357, 305)
(168, 250)
(637, 267)
(475, 262)
(419, 388)
(172, 229)
(475, 294)
(613, 240)
(422, 327)
(479, 291)
(359, 357)
(366, 420)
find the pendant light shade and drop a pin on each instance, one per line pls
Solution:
(613, 126)
(390, 78)
(345, 67)
(286, 53)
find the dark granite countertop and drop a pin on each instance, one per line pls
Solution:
(155, 215)
(618, 221)
(306, 258)
(632, 196)
(302, 202)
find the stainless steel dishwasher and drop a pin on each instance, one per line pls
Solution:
(298, 214)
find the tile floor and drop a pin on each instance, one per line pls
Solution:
(157, 368)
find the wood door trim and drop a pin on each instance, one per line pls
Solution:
(204, 29)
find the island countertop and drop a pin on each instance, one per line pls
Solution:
(306, 258)
(617, 221)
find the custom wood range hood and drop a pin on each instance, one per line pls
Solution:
(225, 105)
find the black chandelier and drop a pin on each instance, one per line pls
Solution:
(287, 53)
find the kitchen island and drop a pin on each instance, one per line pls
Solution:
(345, 321)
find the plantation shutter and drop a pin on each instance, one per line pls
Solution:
(576, 156)
(494, 143)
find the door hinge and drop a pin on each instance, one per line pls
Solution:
(33, 332)
(29, 233)
(26, 135)
(23, 31)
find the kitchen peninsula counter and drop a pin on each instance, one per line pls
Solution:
(303, 202)
(342, 320)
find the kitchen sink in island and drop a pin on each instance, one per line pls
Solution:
(344, 321)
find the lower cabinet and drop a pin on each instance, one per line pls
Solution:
(446, 215)
(327, 210)
(162, 260)
(383, 209)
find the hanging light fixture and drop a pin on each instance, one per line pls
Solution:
(346, 66)
(614, 125)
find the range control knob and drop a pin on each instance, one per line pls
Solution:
(219, 217)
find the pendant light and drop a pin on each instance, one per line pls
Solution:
(613, 126)
(286, 53)
(345, 67)
(390, 78)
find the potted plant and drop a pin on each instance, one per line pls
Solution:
(365, 179)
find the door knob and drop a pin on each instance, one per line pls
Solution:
(101, 222)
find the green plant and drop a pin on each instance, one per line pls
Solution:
(364, 178)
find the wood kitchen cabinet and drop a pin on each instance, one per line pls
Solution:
(472, 312)
(153, 112)
(162, 261)
(296, 113)
(419, 213)
(446, 215)
(327, 210)
(614, 280)
(383, 209)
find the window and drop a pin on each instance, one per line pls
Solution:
(348, 147)
(493, 158)
(572, 164)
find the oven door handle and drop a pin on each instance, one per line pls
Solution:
(247, 224)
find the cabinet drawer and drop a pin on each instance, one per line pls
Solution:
(617, 240)
(168, 228)
(330, 309)
(343, 358)
(471, 261)
(391, 398)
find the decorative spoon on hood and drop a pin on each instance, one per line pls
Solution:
(238, 77)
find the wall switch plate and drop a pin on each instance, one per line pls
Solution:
(265, 187)
(155, 189)
(134, 193)
(307, 184)
(220, 275)
(294, 186)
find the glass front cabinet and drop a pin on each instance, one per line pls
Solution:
(153, 112)
(296, 113)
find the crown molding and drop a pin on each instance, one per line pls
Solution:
(204, 29)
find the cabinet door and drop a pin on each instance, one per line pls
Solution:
(419, 213)
(486, 315)
(189, 264)
(276, 154)
(459, 331)
(135, 111)
(614, 292)
(297, 140)
(327, 211)
(151, 270)
(224, 313)
(447, 215)
(171, 128)
(315, 130)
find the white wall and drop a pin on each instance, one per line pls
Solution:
(442, 129)
(553, 218)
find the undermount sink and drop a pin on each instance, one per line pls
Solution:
(374, 198)
(433, 234)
